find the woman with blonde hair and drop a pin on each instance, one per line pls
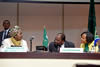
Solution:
(15, 40)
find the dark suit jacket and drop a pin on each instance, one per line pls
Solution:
(54, 48)
(1, 34)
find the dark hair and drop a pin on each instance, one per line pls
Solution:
(63, 37)
(6, 21)
(89, 36)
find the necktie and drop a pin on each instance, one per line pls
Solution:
(58, 49)
(5, 34)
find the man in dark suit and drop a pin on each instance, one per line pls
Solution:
(60, 42)
(5, 33)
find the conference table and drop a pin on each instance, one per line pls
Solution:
(46, 59)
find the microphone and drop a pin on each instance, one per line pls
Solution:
(31, 42)
(32, 38)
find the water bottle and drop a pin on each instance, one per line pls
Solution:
(93, 49)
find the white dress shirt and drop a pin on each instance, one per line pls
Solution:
(7, 43)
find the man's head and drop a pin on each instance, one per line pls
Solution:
(6, 24)
(59, 39)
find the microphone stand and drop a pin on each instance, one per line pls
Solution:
(30, 44)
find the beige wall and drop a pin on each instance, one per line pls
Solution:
(36, 16)
(8, 11)
(33, 17)
(76, 21)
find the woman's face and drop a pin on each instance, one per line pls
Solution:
(19, 36)
(83, 39)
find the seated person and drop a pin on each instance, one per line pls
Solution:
(87, 42)
(60, 42)
(15, 40)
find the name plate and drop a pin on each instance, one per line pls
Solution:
(71, 50)
(14, 49)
